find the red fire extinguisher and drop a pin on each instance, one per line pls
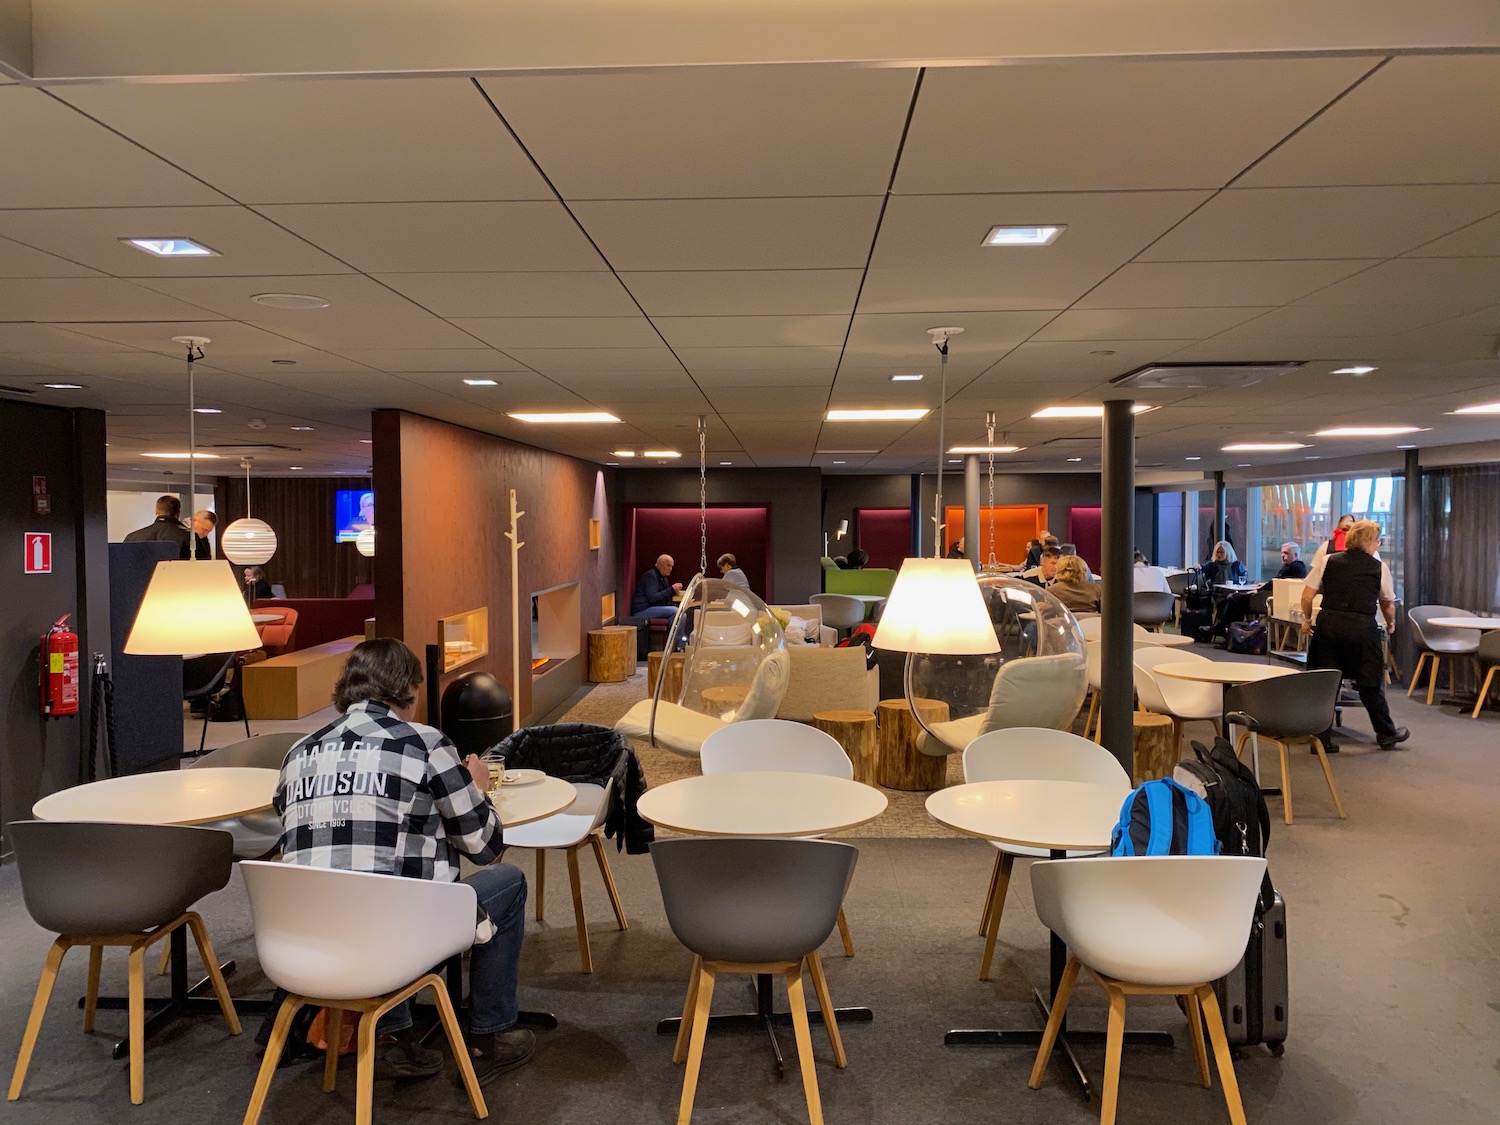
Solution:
(59, 662)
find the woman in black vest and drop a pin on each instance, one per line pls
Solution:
(1355, 584)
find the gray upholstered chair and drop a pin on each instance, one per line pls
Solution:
(753, 906)
(1287, 709)
(1437, 642)
(99, 884)
(1152, 609)
(841, 612)
(256, 834)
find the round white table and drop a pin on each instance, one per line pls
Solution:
(1164, 640)
(521, 804)
(761, 804)
(167, 797)
(1226, 672)
(1481, 623)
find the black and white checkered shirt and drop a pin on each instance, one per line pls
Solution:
(371, 792)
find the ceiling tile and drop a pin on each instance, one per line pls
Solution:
(538, 293)
(562, 331)
(752, 331)
(745, 292)
(18, 260)
(1206, 284)
(62, 300)
(41, 338)
(1099, 125)
(408, 361)
(901, 339)
(1466, 282)
(1144, 324)
(741, 400)
(759, 359)
(1345, 320)
(1481, 239)
(561, 361)
(713, 378)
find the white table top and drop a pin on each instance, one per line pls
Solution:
(267, 618)
(1237, 587)
(869, 599)
(1466, 622)
(761, 804)
(1222, 671)
(167, 797)
(1062, 815)
(1164, 640)
(521, 804)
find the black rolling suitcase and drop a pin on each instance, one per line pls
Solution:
(1197, 623)
(1254, 996)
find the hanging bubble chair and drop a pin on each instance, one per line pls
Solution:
(1037, 679)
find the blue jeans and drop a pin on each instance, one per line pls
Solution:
(657, 611)
(494, 967)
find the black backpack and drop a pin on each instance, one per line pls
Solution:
(1241, 819)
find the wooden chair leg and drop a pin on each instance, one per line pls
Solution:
(997, 908)
(449, 1020)
(541, 880)
(1286, 778)
(1109, 1097)
(137, 1003)
(798, 1004)
(334, 1029)
(91, 996)
(1437, 663)
(274, 1048)
(989, 895)
(1328, 773)
(844, 934)
(215, 975)
(1194, 1012)
(364, 1081)
(166, 959)
(38, 1010)
(579, 921)
(1416, 675)
(609, 880)
(825, 1005)
(689, 1007)
(702, 1001)
(1484, 691)
(1222, 1056)
(1054, 1021)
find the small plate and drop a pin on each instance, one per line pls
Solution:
(524, 777)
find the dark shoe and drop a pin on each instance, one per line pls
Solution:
(402, 1056)
(1391, 741)
(1328, 748)
(500, 1051)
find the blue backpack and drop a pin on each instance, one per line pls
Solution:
(1163, 818)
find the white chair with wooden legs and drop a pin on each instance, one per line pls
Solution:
(753, 906)
(580, 824)
(1489, 653)
(1184, 701)
(370, 943)
(780, 746)
(98, 884)
(1149, 925)
(1437, 642)
(1282, 711)
(1029, 754)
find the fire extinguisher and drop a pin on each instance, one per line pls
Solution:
(59, 662)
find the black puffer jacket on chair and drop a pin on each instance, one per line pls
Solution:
(583, 752)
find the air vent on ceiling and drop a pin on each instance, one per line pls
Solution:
(5, 388)
(253, 445)
(1203, 376)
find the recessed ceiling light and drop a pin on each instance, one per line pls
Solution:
(1313, 457)
(1192, 458)
(726, 462)
(660, 453)
(366, 441)
(1263, 446)
(1084, 411)
(302, 427)
(907, 378)
(841, 462)
(986, 449)
(63, 386)
(1367, 431)
(897, 414)
(564, 416)
(482, 382)
(285, 362)
(294, 467)
(623, 453)
(207, 410)
(290, 300)
(172, 247)
(955, 460)
(182, 456)
(1075, 458)
(1023, 236)
(1356, 369)
(1482, 408)
(1243, 465)
(1406, 447)
(612, 464)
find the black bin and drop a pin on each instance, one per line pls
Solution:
(477, 712)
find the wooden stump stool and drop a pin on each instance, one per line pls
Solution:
(611, 654)
(719, 700)
(1156, 753)
(900, 765)
(855, 732)
(672, 689)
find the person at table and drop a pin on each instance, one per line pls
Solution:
(1033, 549)
(957, 550)
(1335, 542)
(166, 528)
(204, 522)
(1034, 554)
(1355, 586)
(1045, 572)
(1223, 565)
(1148, 578)
(653, 593)
(256, 585)
(1072, 586)
(857, 559)
(1239, 606)
(412, 809)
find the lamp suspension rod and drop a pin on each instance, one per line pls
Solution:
(940, 338)
(194, 346)
(703, 496)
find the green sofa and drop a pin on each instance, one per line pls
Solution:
(868, 581)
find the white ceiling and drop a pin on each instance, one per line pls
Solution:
(761, 243)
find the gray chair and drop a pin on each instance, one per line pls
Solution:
(1437, 642)
(261, 751)
(1287, 709)
(202, 676)
(1179, 584)
(1152, 609)
(753, 906)
(100, 884)
(1489, 654)
(841, 611)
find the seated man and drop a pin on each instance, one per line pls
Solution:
(653, 593)
(1237, 607)
(1045, 572)
(414, 809)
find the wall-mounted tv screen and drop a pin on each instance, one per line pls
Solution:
(353, 511)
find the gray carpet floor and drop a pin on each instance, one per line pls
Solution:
(1394, 927)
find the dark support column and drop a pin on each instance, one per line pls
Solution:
(971, 509)
(1117, 655)
(1219, 529)
(1411, 559)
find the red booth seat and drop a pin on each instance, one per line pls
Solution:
(320, 620)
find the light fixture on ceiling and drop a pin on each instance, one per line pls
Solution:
(986, 448)
(1263, 446)
(290, 300)
(1075, 458)
(1192, 458)
(726, 462)
(366, 441)
(207, 410)
(1355, 369)
(295, 468)
(1481, 408)
(1367, 431)
(302, 428)
(623, 453)
(841, 462)
(664, 454)
(195, 456)
(562, 417)
(172, 247)
(364, 542)
(63, 386)
(1023, 236)
(1406, 447)
(1084, 411)
(1196, 376)
(907, 378)
(482, 382)
(955, 460)
(248, 541)
(888, 414)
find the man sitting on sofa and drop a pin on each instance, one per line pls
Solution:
(653, 593)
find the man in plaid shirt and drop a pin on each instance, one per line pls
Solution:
(376, 792)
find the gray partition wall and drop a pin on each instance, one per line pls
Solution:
(148, 689)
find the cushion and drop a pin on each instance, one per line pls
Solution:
(1038, 691)
(679, 729)
(828, 679)
(767, 689)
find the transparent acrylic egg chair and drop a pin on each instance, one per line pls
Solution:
(1037, 679)
(735, 667)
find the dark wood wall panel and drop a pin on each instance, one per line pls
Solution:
(300, 510)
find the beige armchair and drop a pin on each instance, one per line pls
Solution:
(822, 634)
(828, 679)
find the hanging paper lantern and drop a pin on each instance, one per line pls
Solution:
(248, 542)
(364, 542)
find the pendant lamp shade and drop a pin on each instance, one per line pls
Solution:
(192, 606)
(364, 542)
(936, 607)
(248, 542)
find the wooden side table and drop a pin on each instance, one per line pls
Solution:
(900, 764)
(855, 732)
(673, 687)
(611, 654)
(717, 700)
(1156, 752)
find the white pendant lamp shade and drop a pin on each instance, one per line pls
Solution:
(249, 542)
(192, 606)
(364, 542)
(936, 607)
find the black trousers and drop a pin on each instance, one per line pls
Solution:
(1354, 647)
